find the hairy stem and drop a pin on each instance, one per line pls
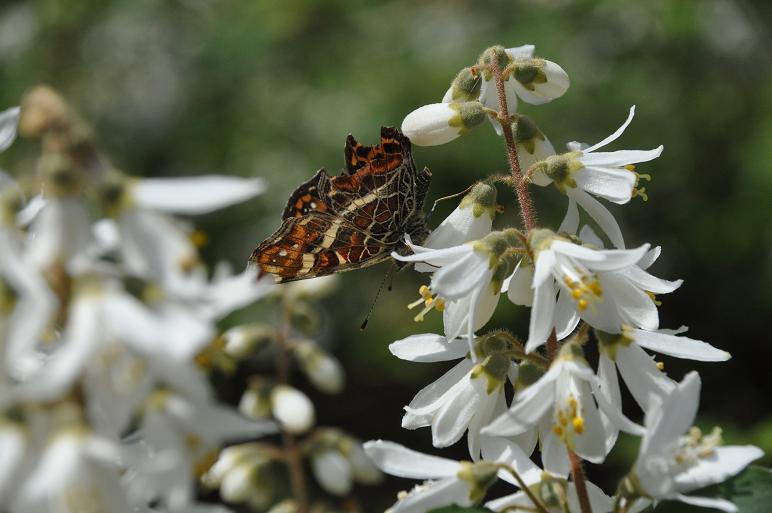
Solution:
(577, 471)
(527, 212)
(293, 457)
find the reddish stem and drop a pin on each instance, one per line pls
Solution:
(527, 212)
(577, 471)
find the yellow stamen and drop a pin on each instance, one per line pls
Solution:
(578, 424)
(582, 305)
(661, 366)
(557, 430)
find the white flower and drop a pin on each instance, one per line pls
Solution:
(322, 369)
(560, 404)
(332, 471)
(77, 470)
(13, 447)
(464, 398)
(9, 121)
(533, 80)
(447, 481)
(151, 244)
(672, 463)
(471, 220)
(292, 408)
(518, 284)
(440, 123)
(468, 279)
(599, 501)
(609, 175)
(604, 287)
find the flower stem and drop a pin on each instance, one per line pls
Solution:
(527, 212)
(293, 457)
(540, 507)
(580, 482)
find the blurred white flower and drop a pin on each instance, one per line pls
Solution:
(9, 121)
(292, 408)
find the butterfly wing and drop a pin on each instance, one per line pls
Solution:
(344, 222)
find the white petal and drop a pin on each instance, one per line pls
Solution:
(673, 417)
(436, 257)
(607, 391)
(456, 280)
(577, 251)
(722, 464)
(429, 125)
(650, 257)
(521, 51)
(456, 314)
(519, 285)
(397, 460)
(608, 183)
(459, 227)
(566, 316)
(542, 319)
(599, 501)
(556, 85)
(513, 502)
(433, 495)
(618, 259)
(13, 444)
(651, 283)
(333, 472)
(641, 375)
(440, 386)
(615, 135)
(620, 158)
(588, 236)
(195, 195)
(545, 262)
(504, 451)
(454, 416)
(428, 347)
(680, 347)
(600, 215)
(554, 455)
(528, 406)
(591, 444)
(570, 223)
(9, 120)
(635, 306)
(708, 502)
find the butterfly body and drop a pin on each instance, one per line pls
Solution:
(356, 219)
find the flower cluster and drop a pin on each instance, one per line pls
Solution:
(577, 291)
(112, 329)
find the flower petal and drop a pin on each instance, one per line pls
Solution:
(722, 464)
(600, 215)
(542, 319)
(609, 183)
(570, 223)
(707, 502)
(613, 137)
(641, 375)
(397, 460)
(428, 347)
(195, 195)
(679, 347)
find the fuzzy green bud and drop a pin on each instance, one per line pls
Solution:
(465, 87)
(479, 476)
(482, 200)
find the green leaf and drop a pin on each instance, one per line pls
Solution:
(455, 508)
(750, 490)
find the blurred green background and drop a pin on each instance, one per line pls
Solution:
(271, 88)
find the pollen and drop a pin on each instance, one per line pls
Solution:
(569, 421)
(558, 431)
(578, 424)
(582, 304)
(661, 366)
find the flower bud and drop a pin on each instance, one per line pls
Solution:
(256, 401)
(362, 466)
(532, 146)
(471, 220)
(540, 81)
(479, 476)
(59, 176)
(557, 169)
(465, 87)
(322, 369)
(292, 408)
(43, 109)
(332, 471)
(246, 340)
(440, 123)
(285, 506)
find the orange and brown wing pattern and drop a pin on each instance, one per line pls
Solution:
(344, 222)
(317, 245)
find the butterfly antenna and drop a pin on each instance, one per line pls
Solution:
(456, 195)
(377, 295)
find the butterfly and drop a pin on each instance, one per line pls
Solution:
(338, 223)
